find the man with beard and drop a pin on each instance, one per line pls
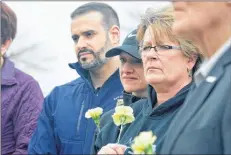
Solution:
(62, 126)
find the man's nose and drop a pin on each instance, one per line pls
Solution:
(81, 44)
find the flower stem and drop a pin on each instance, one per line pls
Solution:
(121, 128)
(97, 123)
(98, 128)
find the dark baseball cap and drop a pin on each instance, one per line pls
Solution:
(129, 46)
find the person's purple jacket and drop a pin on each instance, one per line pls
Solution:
(21, 104)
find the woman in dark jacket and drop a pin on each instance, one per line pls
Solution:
(21, 96)
(131, 76)
(168, 62)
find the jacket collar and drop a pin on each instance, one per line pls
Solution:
(128, 98)
(84, 74)
(170, 104)
(226, 58)
(8, 73)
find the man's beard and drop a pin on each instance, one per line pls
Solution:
(96, 62)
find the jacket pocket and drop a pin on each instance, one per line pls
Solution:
(69, 122)
(80, 118)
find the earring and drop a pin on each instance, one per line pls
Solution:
(189, 72)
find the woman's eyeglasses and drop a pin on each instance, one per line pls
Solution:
(157, 48)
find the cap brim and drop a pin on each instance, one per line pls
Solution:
(129, 49)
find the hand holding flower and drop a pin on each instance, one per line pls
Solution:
(112, 149)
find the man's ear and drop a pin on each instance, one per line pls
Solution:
(5, 46)
(114, 35)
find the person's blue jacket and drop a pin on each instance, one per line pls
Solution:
(62, 127)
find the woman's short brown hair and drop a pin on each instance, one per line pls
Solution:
(8, 23)
(161, 21)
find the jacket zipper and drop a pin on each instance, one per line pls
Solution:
(80, 117)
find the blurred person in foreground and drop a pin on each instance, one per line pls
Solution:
(21, 96)
(203, 125)
(62, 126)
(169, 63)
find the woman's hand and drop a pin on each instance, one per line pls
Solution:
(112, 149)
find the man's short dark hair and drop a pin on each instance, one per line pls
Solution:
(8, 23)
(110, 16)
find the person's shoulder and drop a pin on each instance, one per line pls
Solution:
(23, 78)
(108, 113)
(106, 117)
(27, 84)
(139, 104)
(68, 88)
(74, 83)
(59, 94)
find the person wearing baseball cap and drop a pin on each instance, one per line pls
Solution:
(131, 67)
(133, 81)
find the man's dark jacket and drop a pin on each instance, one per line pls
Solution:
(203, 125)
